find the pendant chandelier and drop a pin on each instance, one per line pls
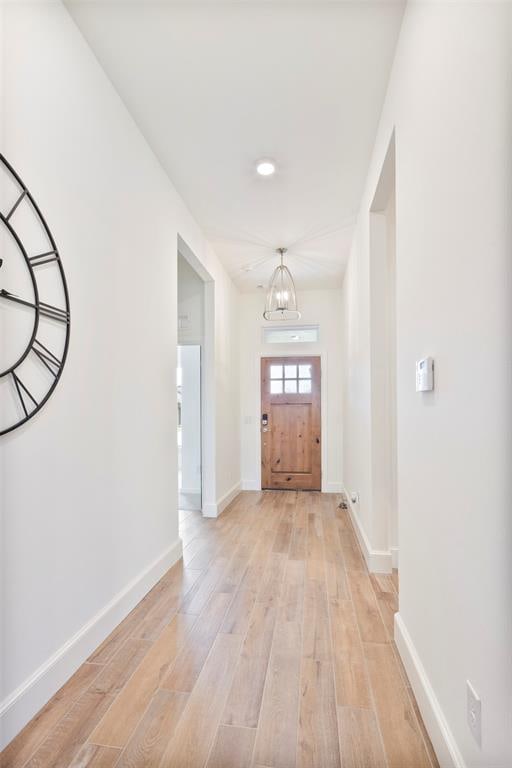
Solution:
(281, 301)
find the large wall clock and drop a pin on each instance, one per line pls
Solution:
(34, 305)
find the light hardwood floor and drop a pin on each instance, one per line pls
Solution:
(269, 646)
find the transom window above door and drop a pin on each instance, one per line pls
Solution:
(291, 334)
(290, 379)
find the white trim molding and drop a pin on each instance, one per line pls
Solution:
(394, 556)
(214, 510)
(22, 704)
(377, 560)
(442, 739)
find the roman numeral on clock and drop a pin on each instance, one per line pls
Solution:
(43, 258)
(18, 201)
(23, 393)
(54, 313)
(48, 359)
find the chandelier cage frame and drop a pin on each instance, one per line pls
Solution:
(281, 302)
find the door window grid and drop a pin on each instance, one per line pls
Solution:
(291, 379)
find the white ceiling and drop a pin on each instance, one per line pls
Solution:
(216, 86)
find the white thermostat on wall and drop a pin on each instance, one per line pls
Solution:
(425, 375)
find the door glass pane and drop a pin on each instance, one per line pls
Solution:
(276, 371)
(290, 372)
(290, 385)
(304, 371)
(276, 387)
(305, 386)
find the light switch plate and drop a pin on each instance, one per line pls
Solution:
(474, 712)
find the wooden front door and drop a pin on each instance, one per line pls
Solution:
(290, 423)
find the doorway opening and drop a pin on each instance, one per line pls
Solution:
(196, 329)
(188, 384)
(291, 440)
(383, 357)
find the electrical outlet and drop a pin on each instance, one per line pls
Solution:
(354, 497)
(474, 712)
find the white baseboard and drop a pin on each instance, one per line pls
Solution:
(377, 560)
(214, 510)
(332, 488)
(22, 704)
(394, 556)
(440, 734)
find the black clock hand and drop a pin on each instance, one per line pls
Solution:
(47, 310)
(11, 297)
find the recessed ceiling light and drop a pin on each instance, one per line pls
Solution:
(265, 167)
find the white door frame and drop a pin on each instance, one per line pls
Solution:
(207, 380)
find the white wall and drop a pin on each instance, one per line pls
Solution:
(321, 307)
(89, 496)
(449, 101)
(227, 383)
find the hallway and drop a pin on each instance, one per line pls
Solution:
(254, 262)
(269, 645)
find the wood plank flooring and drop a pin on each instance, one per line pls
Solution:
(268, 646)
